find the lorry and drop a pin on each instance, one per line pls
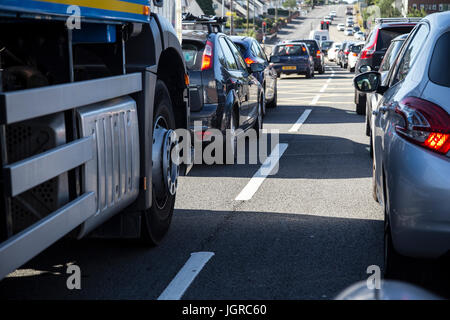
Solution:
(90, 95)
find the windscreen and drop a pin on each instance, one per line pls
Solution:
(290, 50)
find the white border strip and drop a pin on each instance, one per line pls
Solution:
(178, 286)
(260, 175)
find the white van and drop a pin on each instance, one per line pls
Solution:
(319, 35)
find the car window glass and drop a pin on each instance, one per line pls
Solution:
(192, 55)
(440, 61)
(229, 58)
(237, 55)
(410, 52)
(242, 48)
(261, 52)
(290, 50)
(390, 55)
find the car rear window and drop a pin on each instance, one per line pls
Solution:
(386, 35)
(312, 45)
(193, 53)
(356, 48)
(290, 50)
(241, 47)
(440, 61)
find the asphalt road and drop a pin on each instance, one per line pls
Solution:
(308, 232)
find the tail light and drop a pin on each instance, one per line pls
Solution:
(318, 53)
(370, 50)
(346, 52)
(207, 58)
(425, 124)
(249, 61)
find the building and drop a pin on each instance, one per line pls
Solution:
(430, 6)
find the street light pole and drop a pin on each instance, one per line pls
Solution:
(232, 18)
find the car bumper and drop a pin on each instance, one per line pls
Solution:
(206, 118)
(299, 68)
(419, 193)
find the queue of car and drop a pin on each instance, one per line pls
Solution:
(228, 91)
(404, 79)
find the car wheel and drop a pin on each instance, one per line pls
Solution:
(367, 123)
(273, 104)
(322, 69)
(156, 220)
(352, 69)
(374, 182)
(308, 74)
(360, 104)
(230, 140)
(259, 119)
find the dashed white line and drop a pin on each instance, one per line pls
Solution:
(178, 286)
(300, 121)
(324, 87)
(267, 167)
(315, 99)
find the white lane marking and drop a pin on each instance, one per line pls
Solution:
(315, 99)
(300, 121)
(324, 87)
(262, 173)
(178, 286)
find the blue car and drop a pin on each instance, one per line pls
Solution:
(293, 58)
(252, 53)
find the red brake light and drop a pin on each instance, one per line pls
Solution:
(249, 61)
(318, 52)
(370, 50)
(425, 124)
(207, 56)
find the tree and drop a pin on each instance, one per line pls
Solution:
(207, 6)
(417, 13)
(290, 4)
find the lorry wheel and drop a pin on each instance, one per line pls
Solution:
(156, 220)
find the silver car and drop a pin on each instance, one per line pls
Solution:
(412, 144)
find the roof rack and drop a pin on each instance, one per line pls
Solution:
(400, 19)
(210, 22)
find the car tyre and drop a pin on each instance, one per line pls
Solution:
(360, 103)
(273, 104)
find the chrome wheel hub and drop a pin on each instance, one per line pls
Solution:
(165, 169)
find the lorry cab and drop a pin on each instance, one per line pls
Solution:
(89, 99)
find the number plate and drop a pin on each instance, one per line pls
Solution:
(289, 68)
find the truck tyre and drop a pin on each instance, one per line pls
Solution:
(156, 220)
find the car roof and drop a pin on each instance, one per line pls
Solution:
(198, 35)
(241, 38)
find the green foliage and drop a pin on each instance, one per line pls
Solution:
(417, 13)
(290, 4)
(207, 6)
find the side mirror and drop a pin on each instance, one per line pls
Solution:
(257, 67)
(365, 68)
(368, 81)
(158, 3)
(274, 59)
